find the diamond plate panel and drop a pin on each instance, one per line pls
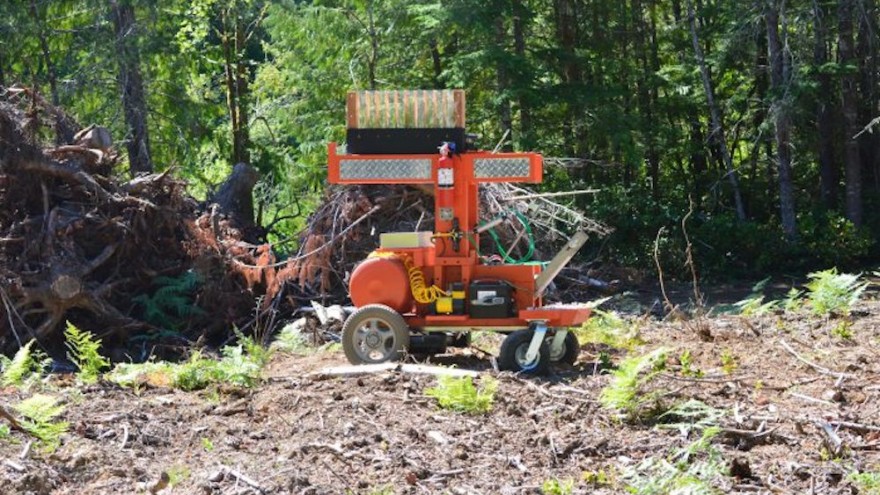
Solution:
(385, 169)
(490, 168)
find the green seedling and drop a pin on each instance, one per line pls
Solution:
(460, 394)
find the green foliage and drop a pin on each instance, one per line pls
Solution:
(693, 470)
(728, 362)
(5, 431)
(207, 444)
(556, 486)
(25, 367)
(832, 292)
(177, 474)
(843, 330)
(39, 412)
(173, 300)
(793, 300)
(623, 393)
(608, 328)
(85, 352)
(291, 340)
(689, 416)
(461, 395)
(239, 365)
(687, 364)
(867, 483)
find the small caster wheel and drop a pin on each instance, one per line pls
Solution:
(374, 334)
(569, 352)
(512, 356)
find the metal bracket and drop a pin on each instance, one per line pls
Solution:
(532, 354)
(557, 345)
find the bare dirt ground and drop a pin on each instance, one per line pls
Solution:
(801, 411)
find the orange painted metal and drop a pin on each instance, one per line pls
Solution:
(441, 263)
(381, 281)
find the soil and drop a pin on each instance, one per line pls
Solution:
(303, 434)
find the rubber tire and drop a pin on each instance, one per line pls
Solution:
(390, 318)
(516, 340)
(571, 349)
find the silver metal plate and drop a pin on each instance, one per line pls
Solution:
(385, 169)
(490, 168)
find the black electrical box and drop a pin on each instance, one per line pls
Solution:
(404, 141)
(490, 299)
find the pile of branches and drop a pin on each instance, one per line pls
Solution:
(139, 263)
(345, 228)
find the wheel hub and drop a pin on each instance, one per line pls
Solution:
(373, 340)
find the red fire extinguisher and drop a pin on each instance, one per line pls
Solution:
(445, 196)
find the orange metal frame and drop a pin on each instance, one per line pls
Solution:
(442, 264)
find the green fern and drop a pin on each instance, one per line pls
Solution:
(460, 394)
(26, 366)
(240, 365)
(623, 392)
(85, 352)
(832, 292)
(608, 328)
(39, 413)
(696, 469)
(172, 301)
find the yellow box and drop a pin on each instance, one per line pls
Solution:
(444, 305)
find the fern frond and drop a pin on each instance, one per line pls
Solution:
(39, 412)
(85, 352)
(24, 366)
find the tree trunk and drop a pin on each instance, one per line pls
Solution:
(503, 82)
(235, 196)
(526, 138)
(51, 75)
(849, 105)
(242, 93)
(437, 63)
(828, 172)
(867, 55)
(566, 36)
(779, 79)
(717, 122)
(131, 85)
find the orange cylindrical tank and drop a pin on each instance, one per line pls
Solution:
(381, 281)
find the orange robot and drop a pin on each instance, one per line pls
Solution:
(422, 291)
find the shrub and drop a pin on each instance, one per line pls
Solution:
(832, 292)
(461, 395)
(85, 353)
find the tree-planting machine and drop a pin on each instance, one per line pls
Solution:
(420, 292)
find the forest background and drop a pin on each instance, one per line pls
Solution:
(761, 114)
